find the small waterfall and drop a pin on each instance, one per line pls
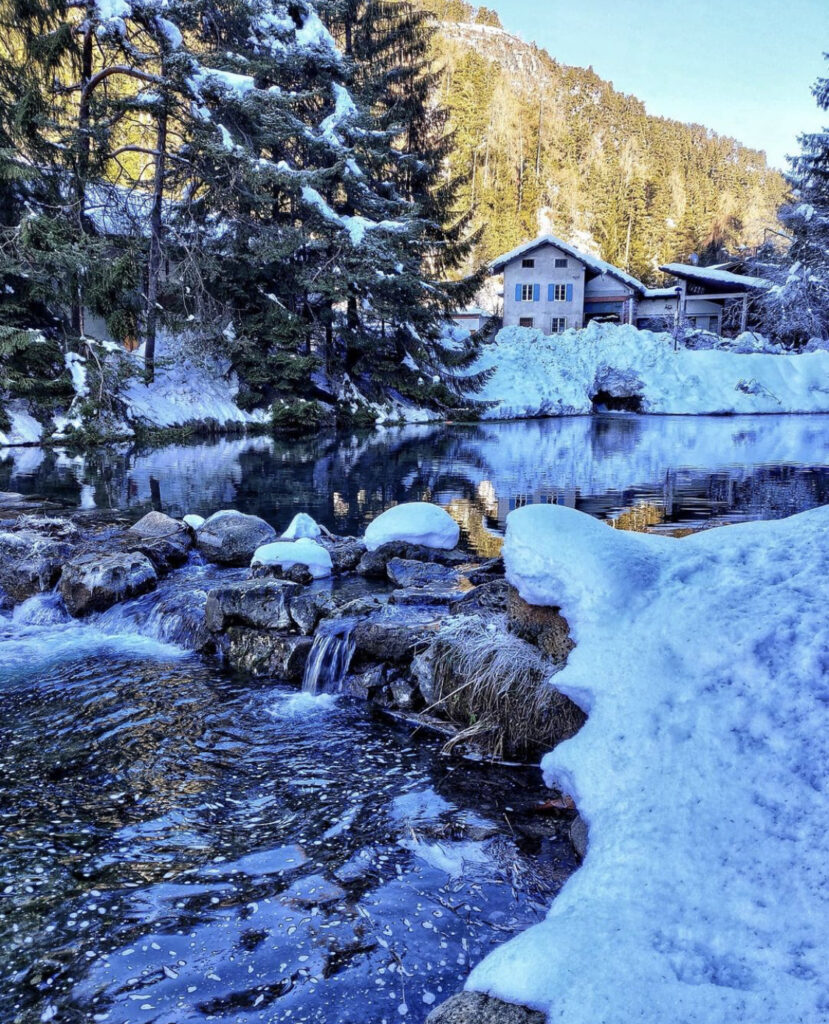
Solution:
(330, 657)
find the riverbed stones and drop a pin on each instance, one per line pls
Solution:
(231, 538)
(407, 572)
(259, 603)
(543, 626)
(165, 541)
(265, 654)
(477, 1008)
(94, 582)
(30, 562)
(373, 563)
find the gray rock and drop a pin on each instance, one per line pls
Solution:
(157, 524)
(578, 836)
(266, 654)
(486, 597)
(345, 554)
(313, 891)
(365, 684)
(476, 1008)
(423, 676)
(407, 572)
(403, 692)
(486, 571)
(543, 626)
(231, 538)
(259, 603)
(358, 606)
(94, 582)
(373, 563)
(30, 562)
(390, 640)
(425, 596)
(165, 541)
(308, 607)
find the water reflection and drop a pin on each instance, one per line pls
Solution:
(686, 467)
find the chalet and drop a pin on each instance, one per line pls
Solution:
(552, 286)
(473, 318)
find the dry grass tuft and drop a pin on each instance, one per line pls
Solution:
(495, 687)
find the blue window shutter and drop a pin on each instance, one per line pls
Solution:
(536, 292)
(551, 292)
(518, 293)
(569, 293)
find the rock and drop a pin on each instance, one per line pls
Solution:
(156, 524)
(403, 692)
(485, 572)
(486, 597)
(423, 676)
(365, 684)
(94, 582)
(390, 640)
(265, 654)
(373, 563)
(284, 555)
(407, 572)
(313, 891)
(181, 620)
(308, 607)
(358, 606)
(231, 538)
(261, 604)
(30, 562)
(424, 596)
(416, 522)
(165, 541)
(578, 836)
(543, 626)
(476, 1008)
(345, 554)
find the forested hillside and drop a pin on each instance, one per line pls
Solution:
(554, 148)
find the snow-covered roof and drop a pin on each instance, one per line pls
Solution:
(593, 264)
(472, 311)
(715, 276)
(660, 293)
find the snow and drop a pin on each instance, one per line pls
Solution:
(558, 375)
(25, 429)
(344, 109)
(713, 275)
(302, 526)
(287, 554)
(355, 225)
(702, 664)
(193, 521)
(416, 522)
(76, 365)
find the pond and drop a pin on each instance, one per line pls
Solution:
(636, 470)
(179, 844)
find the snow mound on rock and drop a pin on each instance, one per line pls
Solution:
(287, 554)
(302, 525)
(702, 663)
(535, 374)
(416, 522)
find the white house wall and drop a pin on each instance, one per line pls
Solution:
(543, 274)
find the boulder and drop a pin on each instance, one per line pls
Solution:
(390, 640)
(165, 541)
(94, 582)
(476, 1008)
(308, 607)
(30, 562)
(492, 596)
(231, 538)
(259, 603)
(578, 836)
(345, 554)
(407, 572)
(416, 522)
(266, 654)
(543, 626)
(194, 522)
(157, 524)
(366, 684)
(312, 558)
(423, 676)
(373, 563)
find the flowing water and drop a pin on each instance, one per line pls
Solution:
(329, 658)
(180, 845)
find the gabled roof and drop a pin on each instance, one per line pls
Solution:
(593, 265)
(717, 277)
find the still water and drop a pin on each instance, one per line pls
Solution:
(652, 470)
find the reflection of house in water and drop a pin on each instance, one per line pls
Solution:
(499, 506)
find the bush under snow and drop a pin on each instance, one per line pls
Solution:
(702, 664)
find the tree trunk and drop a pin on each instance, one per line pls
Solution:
(82, 167)
(154, 263)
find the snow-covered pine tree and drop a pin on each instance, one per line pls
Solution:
(797, 306)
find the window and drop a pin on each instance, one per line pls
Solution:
(525, 321)
(560, 264)
(528, 264)
(558, 324)
(560, 293)
(526, 293)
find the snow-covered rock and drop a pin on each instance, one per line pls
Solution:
(230, 538)
(302, 525)
(415, 522)
(285, 555)
(535, 374)
(702, 665)
(193, 521)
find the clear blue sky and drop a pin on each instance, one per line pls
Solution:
(741, 67)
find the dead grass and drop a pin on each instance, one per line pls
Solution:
(495, 688)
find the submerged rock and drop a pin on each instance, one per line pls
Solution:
(477, 1008)
(543, 626)
(266, 654)
(94, 582)
(260, 603)
(231, 538)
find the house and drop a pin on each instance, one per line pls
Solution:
(552, 286)
(473, 318)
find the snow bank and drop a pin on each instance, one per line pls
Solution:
(24, 428)
(287, 554)
(702, 664)
(416, 522)
(542, 375)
